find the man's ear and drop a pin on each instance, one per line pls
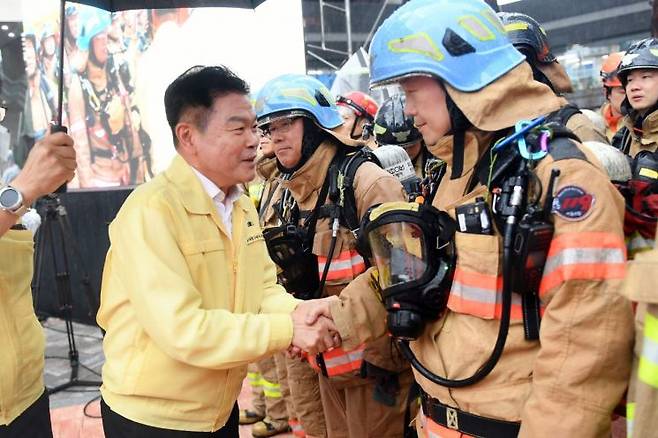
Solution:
(185, 132)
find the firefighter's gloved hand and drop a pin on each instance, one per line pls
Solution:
(116, 114)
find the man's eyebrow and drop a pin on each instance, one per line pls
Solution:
(241, 119)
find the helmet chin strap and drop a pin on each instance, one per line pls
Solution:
(459, 124)
(311, 139)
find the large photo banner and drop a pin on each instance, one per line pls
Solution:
(118, 65)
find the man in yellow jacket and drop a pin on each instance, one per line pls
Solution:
(24, 408)
(189, 295)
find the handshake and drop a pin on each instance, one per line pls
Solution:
(313, 328)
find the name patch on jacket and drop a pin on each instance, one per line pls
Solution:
(254, 238)
(573, 203)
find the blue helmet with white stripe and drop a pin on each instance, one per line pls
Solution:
(463, 43)
(294, 95)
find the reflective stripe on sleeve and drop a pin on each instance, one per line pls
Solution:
(339, 361)
(583, 256)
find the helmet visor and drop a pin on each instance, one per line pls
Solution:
(400, 253)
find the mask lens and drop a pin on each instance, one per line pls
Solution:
(399, 250)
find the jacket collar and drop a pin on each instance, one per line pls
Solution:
(476, 142)
(514, 96)
(310, 177)
(266, 167)
(193, 196)
(611, 121)
(649, 133)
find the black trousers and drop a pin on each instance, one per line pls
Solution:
(116, 426)
(34, 422)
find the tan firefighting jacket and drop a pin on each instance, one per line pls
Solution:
(641, 286)
(647, 140)
(583, 127)
(568, 383)
(372, 185)
(262, 188)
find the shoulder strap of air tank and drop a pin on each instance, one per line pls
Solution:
(348, 171)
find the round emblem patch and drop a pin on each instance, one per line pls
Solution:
(573, 203)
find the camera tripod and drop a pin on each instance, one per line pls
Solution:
(55, 236)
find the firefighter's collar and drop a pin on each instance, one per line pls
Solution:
(310, 177)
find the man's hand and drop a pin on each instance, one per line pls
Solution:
(50, 164)
(313, 331)
(316, 308)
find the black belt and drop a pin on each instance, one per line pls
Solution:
(464, 422)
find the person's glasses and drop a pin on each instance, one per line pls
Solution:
(3, 111)
(281, 127)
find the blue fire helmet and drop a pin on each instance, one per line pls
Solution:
(293, 95)
(460, 42)
(95, 23)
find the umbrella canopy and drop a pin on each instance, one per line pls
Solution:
(123, 5)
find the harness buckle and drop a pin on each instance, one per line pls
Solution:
(452, 419)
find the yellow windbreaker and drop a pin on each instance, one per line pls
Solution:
(185, 307)
(21, 335)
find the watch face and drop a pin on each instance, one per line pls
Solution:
(9, 198)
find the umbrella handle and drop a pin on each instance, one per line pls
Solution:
(60, 88)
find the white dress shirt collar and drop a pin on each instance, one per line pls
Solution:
(223, 202)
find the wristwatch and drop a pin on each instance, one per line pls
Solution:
(11, 200)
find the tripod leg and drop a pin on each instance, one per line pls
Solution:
(63, 286)
(92, 299)
(40, 244)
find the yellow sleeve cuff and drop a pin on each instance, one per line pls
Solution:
(280, 331)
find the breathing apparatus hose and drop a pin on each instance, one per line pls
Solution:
(488, 366)
(330, 255)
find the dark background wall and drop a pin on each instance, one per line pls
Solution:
(89, 213)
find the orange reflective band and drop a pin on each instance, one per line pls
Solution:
(296, 427)
(480, 295)
(348, 265)
(431, 429)
(584, 256)
(339, 361)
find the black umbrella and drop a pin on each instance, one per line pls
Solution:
(122, 5)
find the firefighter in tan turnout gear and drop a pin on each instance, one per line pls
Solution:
(327, 186)
(464, 302)
(530, 39)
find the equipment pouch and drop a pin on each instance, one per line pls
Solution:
(288, 247)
